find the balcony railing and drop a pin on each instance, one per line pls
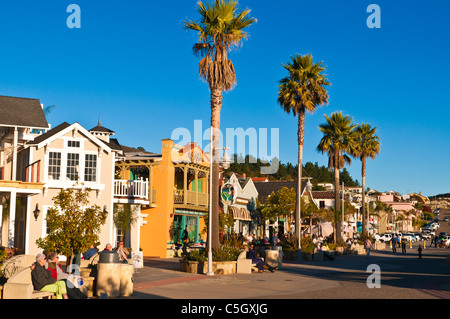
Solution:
(137, 189)
(190, 198)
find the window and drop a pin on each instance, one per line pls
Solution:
(73, 144)
(73, 161)
(90, 168)
(322, 204)
(54, 166)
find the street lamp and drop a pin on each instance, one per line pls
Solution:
(225, 162)
(308, 188)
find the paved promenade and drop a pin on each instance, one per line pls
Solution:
(402, 277)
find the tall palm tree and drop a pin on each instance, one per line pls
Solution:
(367, 145)
(302, 91)
(220, 29)
(338, 140)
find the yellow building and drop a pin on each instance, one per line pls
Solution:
(179, 184)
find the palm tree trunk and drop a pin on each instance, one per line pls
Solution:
(364, 220)
(337, 206)
(301, 136)
(216, 105)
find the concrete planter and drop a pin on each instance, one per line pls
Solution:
(200, 267)
(307, 257)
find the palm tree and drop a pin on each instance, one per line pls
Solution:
(302, 91)
(220, 29)
(367, 145)
(338, 140)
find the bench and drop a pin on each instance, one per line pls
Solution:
(20, 286)
(245, 265)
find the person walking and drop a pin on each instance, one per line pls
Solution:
(368, 245)
(394, 244)
(185, 239)
(403, 245)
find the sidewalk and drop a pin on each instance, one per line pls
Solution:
(161, 279)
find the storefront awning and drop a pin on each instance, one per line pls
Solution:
(189, 212)
(240, 213)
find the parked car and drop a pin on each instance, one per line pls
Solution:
(419, 236)
(446, 219)
(426, 235)
(385, 237)
(409, 237)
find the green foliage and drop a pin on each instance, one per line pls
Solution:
(251, 166)
(124, 216)
(224, 253)
(291, 244)
(3, 256)
(196, 255)
(233, 240)
(71, 226)
(281, 203)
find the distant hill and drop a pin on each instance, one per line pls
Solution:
(447, 195)
(251, 167)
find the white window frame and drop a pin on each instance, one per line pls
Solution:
(64, 182)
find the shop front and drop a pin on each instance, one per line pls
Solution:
(190, 220)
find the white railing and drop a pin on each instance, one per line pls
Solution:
(131, 189)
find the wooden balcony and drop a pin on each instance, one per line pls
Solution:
(137, 191)
(190, 199)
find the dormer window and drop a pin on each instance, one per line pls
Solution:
(75, 144)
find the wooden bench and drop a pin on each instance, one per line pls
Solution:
(245, 265)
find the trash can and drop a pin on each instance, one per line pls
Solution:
(108, 274)
(126, 280)
(280, 255)
(272, 257)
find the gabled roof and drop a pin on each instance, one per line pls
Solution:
(100, 128)
(63, 129)
(322, 194)
(266, 188)
(22, 112)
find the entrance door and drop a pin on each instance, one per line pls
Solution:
(20, 224)
(177, 228)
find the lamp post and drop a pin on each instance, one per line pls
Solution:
(308, 188)
(225, 165)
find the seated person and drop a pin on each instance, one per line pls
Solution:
(71, 281)
(108, 247)
(258, 261)
(90, 252)
(43, 281)
(123, 253)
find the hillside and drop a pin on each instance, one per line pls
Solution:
(251, 167)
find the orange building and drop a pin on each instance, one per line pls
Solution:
(179, 186)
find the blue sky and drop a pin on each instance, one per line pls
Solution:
(131, 63)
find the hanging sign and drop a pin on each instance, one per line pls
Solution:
(227, 193)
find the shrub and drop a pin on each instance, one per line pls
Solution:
(224, 253)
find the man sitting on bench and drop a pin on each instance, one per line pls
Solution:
(258, 261)
(43, 281)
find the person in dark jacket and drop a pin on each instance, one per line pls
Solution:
(43, 281)
(258, 261)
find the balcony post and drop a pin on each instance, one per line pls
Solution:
(150, 184)
(196, 187)
(185, 185)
